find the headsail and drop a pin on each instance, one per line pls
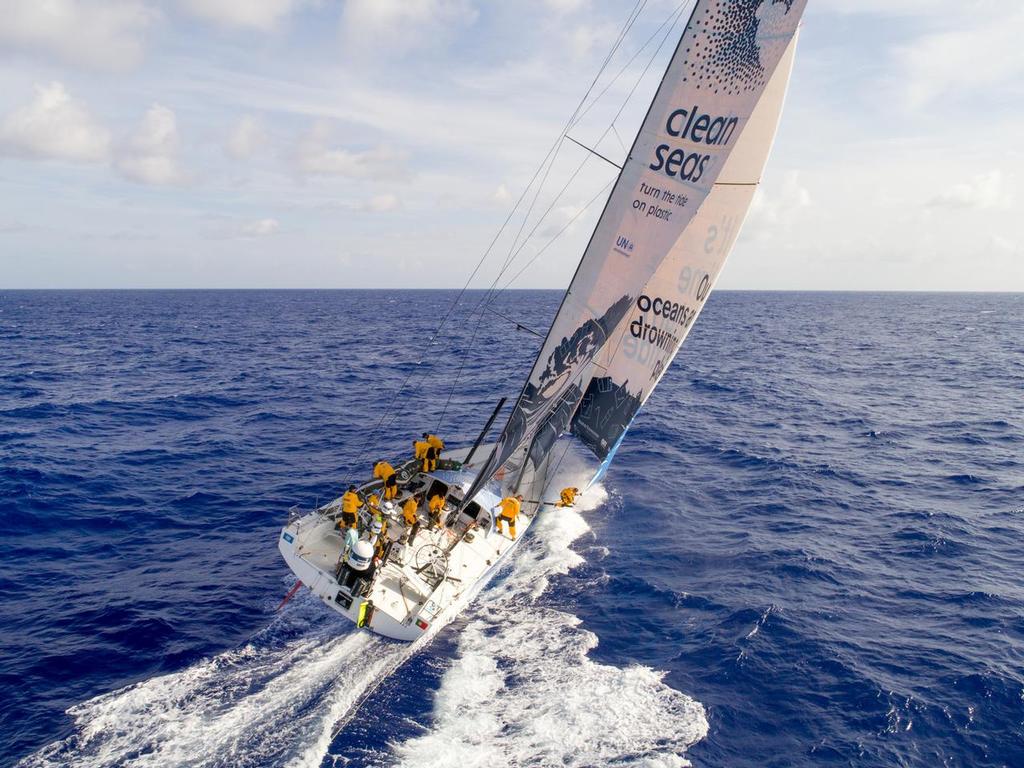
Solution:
(727, 55)
(628, 368)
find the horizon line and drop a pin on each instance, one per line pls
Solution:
(507, 290)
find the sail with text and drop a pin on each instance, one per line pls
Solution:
(630, 365)
(727, 57)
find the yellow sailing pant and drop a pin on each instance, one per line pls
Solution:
(511, 525)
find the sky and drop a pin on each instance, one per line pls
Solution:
(382, 143)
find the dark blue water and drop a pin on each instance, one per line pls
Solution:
(809, 552)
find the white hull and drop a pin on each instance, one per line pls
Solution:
(409, 595)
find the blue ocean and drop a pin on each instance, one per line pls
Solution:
(808, 552)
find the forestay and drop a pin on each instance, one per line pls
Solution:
(654, 238)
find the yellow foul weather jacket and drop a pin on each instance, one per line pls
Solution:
(350, 503)
(510, 507)
(409, 511)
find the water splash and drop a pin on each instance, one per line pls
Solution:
(523, 690)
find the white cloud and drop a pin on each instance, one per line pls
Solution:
(254, 14)
(98, 33)
(381, 203)
(889, 7)
(566, 6)
(563, 217)
(501, 194)
(984, 192)
(1002, 246)
(975, 55)
(315, 156)
(245, 138)
(775, 212)
(54, 125)
(583, 39)
(150, 155)
(399, 25)
(261, 228)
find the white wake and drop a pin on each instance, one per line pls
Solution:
(272, 702)
(521, 689)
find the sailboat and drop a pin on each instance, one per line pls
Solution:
(668, 225)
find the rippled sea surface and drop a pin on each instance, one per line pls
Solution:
(809, 551)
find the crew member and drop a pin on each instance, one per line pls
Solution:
(357, 570)
(509, 507)
(568, 497)
(375, 532)
(420, 450)
(373, 504)
(412, 522)
(436, 507)
(435, 442)
(383, 546)
(351, 538)
(384, 471)
(350, 505)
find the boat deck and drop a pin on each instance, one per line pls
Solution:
(417, 581)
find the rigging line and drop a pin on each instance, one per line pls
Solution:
(611, 125)
(481, 306)
(622, 337)
(622, 108)
(593, 152)
(619, 138)
(634, 15)
(554, 149)
(519, 326)
(513, 251)
(677, 12)
(557, 235)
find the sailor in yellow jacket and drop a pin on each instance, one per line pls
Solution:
(437, 444)
(350, 504)
(412, 521)
(436, 507)
(420, 450)
(509, 509)
(385, 472)
(568, 497)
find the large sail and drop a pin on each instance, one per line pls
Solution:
(727, 55)
(627, 369)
